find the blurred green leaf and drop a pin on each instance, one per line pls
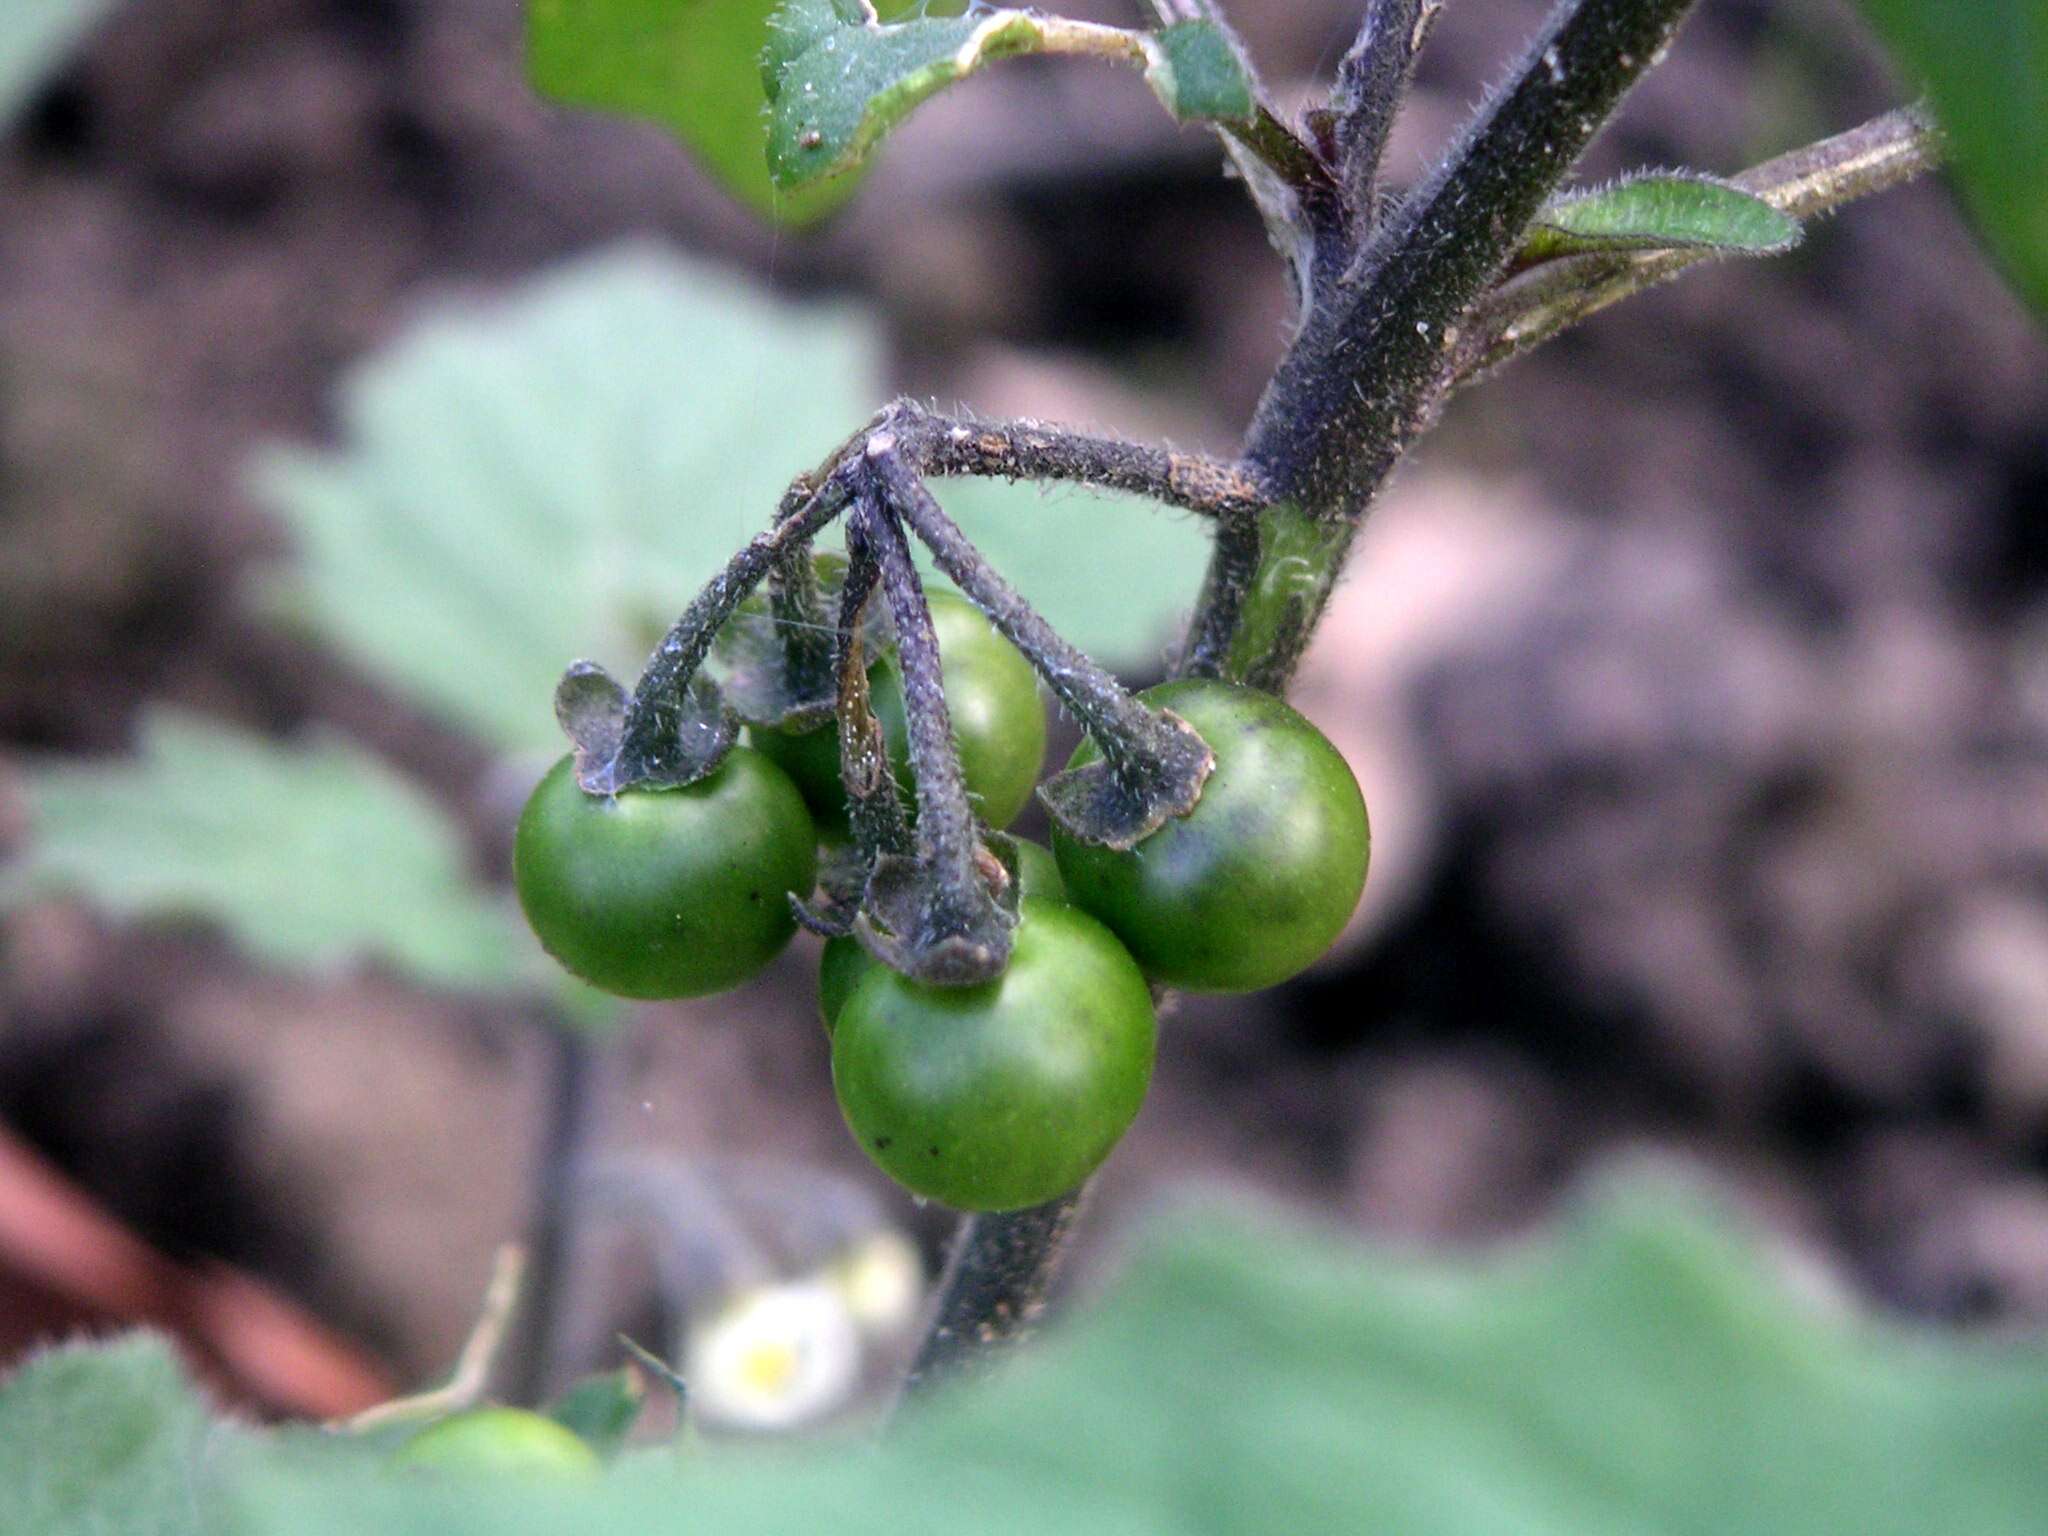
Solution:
(602, 1409)
(694, 66)
(1648, 1373)
(554, 476)
(309, 855)
(35, 39)
(1660, 210)
(839, 80)
(1985, 64)
(104, 1440)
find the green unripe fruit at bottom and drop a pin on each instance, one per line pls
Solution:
(495, 1441)
(846, 959)
(1257, 881)
(657, 893)
(991, 697)
(1010, 1093)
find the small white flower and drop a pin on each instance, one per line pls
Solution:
(773, 1357)
(882, 1280)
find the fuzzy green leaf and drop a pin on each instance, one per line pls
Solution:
(1662, 210)
(693, 66)
(36, 38)
(1649, 1373)
(310, 856)
(554, 476)
(1986, 66)
(837, 86)
(1200, 76)
(105, 1440)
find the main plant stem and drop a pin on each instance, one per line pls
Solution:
(997, 1279)
(1378, 352)
(1352, 392)
(1362, 379)
(574, 1071)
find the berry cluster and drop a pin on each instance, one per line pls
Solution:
(990, 1002)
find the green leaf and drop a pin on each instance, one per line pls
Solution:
(553, 477)
(838, 84)
(105, 1440)
(1661, 210)
(693, 66)
(1650, 1372)
(310, 856)
(1200, 76)
(602, 1409)
(36, 39)
(1985, 64)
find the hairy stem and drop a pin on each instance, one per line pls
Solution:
(1369, 370)
(997, 1278)
(1347, 398)
(945, 822)
(1041, 452)
(959, 936)
(800, 626)
(1363, 378)
(1372, 82)
(1233, 563)
(931, 915)
(660, 699)
(873, 806)
(573, 1074)
(1151, 757)
(1806, 183)
(1095, 698)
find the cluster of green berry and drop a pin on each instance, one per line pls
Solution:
(1008, 1092)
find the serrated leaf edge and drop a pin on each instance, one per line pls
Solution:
(1000, 34)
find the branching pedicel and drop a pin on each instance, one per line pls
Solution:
(1403, 302)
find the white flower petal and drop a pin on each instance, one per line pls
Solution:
(774, 1357)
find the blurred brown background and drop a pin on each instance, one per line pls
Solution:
(1696, 671)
